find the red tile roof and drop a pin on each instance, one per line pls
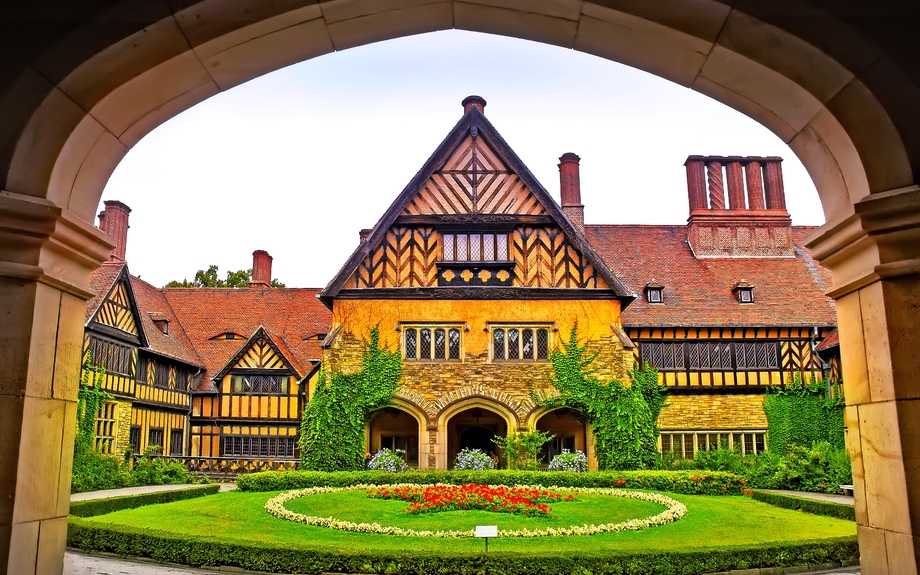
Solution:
(290, 315)
(152, 305)
(787, 291)
(832, 340)
(100, 282)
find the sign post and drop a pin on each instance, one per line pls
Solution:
(487, 531)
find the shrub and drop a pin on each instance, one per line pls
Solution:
(821, 468)
(95, 507)
(569, 461)
(522, 448)
(166, 547)
(386, 460)
(689, 482)
(828, 508)
(473, 459)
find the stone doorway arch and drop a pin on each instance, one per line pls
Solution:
(837, 82)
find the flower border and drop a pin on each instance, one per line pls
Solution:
(675, 510)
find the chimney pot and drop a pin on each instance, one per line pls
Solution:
(114, 221)
(570, 190)
(362, 234)
(474, 102)
(261, 269)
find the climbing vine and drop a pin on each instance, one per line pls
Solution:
(623, 417)
(802, 414)
(332, 431)
(89, 397)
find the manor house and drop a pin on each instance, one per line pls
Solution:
(476, 274)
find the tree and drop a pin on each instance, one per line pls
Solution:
(208, 278)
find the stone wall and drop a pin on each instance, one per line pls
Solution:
(713, 412)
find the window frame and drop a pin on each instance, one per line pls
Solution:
(466, 238)
(433, 328)
(520, 328)
(284, 382)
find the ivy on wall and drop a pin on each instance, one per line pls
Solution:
(89, 397)
(332, 431)
(623, 417)
(803, 414)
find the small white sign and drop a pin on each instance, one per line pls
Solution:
(487, 531)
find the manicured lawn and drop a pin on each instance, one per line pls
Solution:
(712, 522)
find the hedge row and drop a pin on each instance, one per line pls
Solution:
(837, 510)
(94, 507)
(166, 547)
(688, 482)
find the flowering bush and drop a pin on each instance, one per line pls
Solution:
(675, 510)
(473, 459)
(386, 460)
(499, 499)
(568, 461)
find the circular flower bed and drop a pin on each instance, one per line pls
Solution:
(675, 510)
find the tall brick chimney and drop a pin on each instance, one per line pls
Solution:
(737, 207)
(261, 269)
(474, 101)
(114, 222)
(570, 190)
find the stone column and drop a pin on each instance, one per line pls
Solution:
(46, 254)
(875, 259)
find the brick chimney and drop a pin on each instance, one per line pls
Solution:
(474, 102)
(362, 234)
(261, 269)
(570, 190)
(114, 222)
(737, 207)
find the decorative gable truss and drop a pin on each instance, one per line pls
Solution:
(117, 315)
(475, 189)
(260, 352)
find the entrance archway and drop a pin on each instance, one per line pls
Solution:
(396, 430)
(474, 428)
(837, 82)
(569, 432)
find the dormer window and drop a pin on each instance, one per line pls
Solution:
(484, 247)
(744, 292)
(654, 292)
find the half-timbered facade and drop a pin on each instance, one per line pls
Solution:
(475, 274)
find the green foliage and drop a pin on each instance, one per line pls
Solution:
(201, 549)
(95, 507)
(623, 417)
(332, 432)
(89, 397)
(689, 482)
(208, 278)
(828, 508)
(802, 414)
(522, 448)
(820, 468)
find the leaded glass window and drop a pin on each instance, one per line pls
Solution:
(520, 343)
(434, 343)
(474, 247)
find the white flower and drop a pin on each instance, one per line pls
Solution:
(675, 510)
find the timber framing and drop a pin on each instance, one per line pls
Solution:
(505, 293)
(473, 124)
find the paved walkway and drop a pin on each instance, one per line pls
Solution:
(79, 563)
(842, 499)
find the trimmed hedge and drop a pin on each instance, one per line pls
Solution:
(838, 510)
(687, 482)
(94, 507)
(165, 547)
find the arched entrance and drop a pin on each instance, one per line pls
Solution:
(473, 428)
(835, 82)
(569, 432)
(396, 430)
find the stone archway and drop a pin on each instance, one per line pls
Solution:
(471, 422)
(398, 431)
(569, 433)
(81, 87)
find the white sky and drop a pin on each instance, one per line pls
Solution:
(297, 161)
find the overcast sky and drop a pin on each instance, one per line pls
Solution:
(297, 161)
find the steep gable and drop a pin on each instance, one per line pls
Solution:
(259, 352)
(474, 217)
(117, 313)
